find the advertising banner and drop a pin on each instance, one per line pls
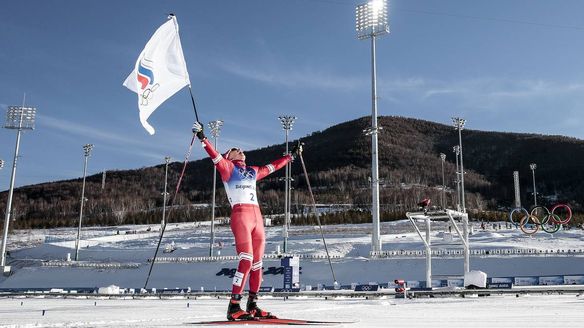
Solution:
(574, 280)
(455, 283)
(367, 288)
(526, 281)
(551, 280)
(498, 280)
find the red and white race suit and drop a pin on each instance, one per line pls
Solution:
(246, 219)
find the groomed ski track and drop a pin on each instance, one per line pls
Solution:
(495, 311)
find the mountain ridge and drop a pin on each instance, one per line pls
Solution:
(338, 161)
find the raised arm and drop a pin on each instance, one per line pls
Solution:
(268, 169)
(224, 166)
(265, 170)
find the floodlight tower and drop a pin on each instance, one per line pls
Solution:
(287, 123)
(533, 166)
(86, 153)
(459, 125)
(165, 193)
(371, 22)
(215, 127)
(18, 118)
(442, 159)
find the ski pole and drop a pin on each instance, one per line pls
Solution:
(171, 209)
(317, 217)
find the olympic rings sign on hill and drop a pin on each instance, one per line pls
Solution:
(548, 220)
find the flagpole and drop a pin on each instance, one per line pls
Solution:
(173, 17)
(194, 106)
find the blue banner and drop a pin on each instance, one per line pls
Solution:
(551, 280)
(498, 280)
(286, 290)
(500, 285)
(574, 280)
(526, 281)
(455, 283)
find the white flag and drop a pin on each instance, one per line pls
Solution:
(160, 71)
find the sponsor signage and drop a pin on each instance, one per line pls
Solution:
(497, 280)
(286, 290)
(455, 283)
(438, 283)
(551, 280)
(526, 281)
(291, 272)
(367, 288)
(414, 284)
(500, 285)
(573, 280)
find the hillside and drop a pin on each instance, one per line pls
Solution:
(338, 162)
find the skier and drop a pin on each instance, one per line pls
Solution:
(246, 220)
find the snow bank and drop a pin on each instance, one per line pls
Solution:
(111, 289)
(475, 278)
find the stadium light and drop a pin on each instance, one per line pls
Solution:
(86, 153)
(533, 166)
(372, 21)
(459, 125)
(287, 123)
(17, 118)
(215, 127)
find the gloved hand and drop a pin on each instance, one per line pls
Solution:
(198, 130)
(297, 149)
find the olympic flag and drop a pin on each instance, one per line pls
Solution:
(160, 71)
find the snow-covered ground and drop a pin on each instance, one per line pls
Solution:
(348, 244)
(494, 311)
(131, 246)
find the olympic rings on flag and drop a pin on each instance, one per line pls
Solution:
(541, 217)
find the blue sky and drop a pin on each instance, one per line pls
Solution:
(503, 65)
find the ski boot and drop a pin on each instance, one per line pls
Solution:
(253, 309)
(234, 311)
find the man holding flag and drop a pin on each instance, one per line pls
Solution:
(159, 73)
(246, 222)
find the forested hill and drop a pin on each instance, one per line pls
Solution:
(338, 160)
